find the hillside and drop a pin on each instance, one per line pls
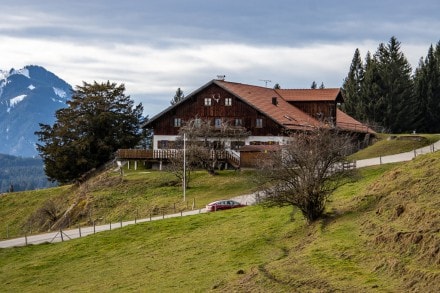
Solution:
(110, 197)
(391, 144)
(381, 234)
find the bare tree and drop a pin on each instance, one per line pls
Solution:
(175, 167)
(207, 142)
(205, 145)
(304, 172)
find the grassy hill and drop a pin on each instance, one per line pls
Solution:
(380, 234)
(110, 197)
(391, 144)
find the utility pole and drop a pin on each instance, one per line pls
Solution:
(184, 167)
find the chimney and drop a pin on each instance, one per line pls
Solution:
(274, 101)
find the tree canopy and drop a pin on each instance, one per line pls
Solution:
(179, 96)
(99, 119)
(384, 92)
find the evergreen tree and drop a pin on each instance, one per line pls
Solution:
(314, 85)
(427, 92)
(277, 86)
(395, 87)
(322, 86)
(99, 119)
(352, 87)
(370, 94)
(179, 96)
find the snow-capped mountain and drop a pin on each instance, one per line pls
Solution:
(28, 96)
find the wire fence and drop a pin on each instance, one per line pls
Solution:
(408, 156)
(29, 234)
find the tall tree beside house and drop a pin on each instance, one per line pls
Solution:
(314, 85)
(427, 92)
(380, 92)
(352, 88)
(99, 119)
(395, 87)
(179, 96)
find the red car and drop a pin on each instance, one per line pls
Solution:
(224, 204)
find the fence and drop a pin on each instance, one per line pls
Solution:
(402, 157)
(98, 225)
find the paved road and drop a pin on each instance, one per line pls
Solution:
(247, 199)
(402, 157)
(84, 231)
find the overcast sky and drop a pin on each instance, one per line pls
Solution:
(154, 47)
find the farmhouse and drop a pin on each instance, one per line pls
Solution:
(269, 115)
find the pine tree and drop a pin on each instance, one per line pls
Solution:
(99, 119)
(322, 86)
(395, 87)
(370, 95)
(352, 87)
(314, 85)
(427, 92)
(179, 96)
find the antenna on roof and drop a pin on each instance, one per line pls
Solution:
(266, 81)
(221, 77)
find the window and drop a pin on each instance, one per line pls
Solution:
(238, 122)
(207, 101)
(197, 122)
(259, 123)
(177, 122)
(228, 101)
(162, 144)
(218, 122)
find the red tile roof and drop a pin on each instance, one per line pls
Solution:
(261, 98)
(300, 95)
(346, 122)
(284, 112)
(287, 114)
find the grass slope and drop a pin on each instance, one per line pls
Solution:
(381, 234)
(388, 144)
(108, 197)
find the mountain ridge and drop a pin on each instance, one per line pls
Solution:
(28, 96)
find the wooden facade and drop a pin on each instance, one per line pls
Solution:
(268, 115)
(214, 103)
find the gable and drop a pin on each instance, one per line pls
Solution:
(278, 110)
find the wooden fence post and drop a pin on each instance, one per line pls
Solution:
(25, 239)
(61, 234)
(79, 229)
(94, 227)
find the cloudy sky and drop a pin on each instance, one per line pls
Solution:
(154, 47)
